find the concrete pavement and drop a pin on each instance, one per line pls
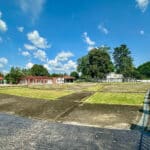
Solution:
(29, 134)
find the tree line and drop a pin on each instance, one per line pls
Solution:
(17, 73)
(95, 65)
(98, 63)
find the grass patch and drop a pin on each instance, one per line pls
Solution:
(116, 98)
(125, 87)
(35, 93)
(94, 87)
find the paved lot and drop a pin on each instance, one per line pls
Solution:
(28, 134)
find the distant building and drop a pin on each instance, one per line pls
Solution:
(35, 80)
(46, 80)
(63, 79)
(68, 79)
(1, 80)
(113, 77)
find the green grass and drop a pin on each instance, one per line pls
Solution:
(113, 93)
(125, 87)
(35, 93)
(116, 98)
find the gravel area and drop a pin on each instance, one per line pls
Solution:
(18, 133)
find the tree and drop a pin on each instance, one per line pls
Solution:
(83, 66)
(39, 70)
(144, 70)
(74, 74)
(1, 74)
(26, 72)
(57, 74)
(123, 61)
(14, 75)
(96, 64)
(136, 74)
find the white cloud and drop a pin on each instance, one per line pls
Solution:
(37, 46)
(142, 32)
(54, 62)
(142, 4)
(29, 65)
(88, 41)
(37, 40)
(3, 62)
(32, 7)
(29, 47)
(47, 67)
(90, 47)
(59, 67)
(63, 56)
(25, 53)
(61, 63)
(41, 55)
(20, 29)
(70, 65)
(103, 29)
(3, 25)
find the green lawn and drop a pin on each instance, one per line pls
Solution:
(124, 87)
(116, 98)
(35, 93)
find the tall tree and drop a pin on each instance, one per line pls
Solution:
(96, 64)
(83, 66)
(144, 70)
(74, 74)
(123, 61)
(26, 72)
(14, 75)
(39, 70)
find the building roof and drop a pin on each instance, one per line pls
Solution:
(1, 78)
(68, 77)
(36, 77)
(45, 77)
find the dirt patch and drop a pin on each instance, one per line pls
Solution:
(70, 109)
(39, 108)
(105, 116)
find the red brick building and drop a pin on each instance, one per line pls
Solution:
(46, 80)
(35, 80)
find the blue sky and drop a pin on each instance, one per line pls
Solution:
(56, 33)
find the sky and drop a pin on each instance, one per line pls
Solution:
(55, 33)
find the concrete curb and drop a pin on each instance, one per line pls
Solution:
(142, 125)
